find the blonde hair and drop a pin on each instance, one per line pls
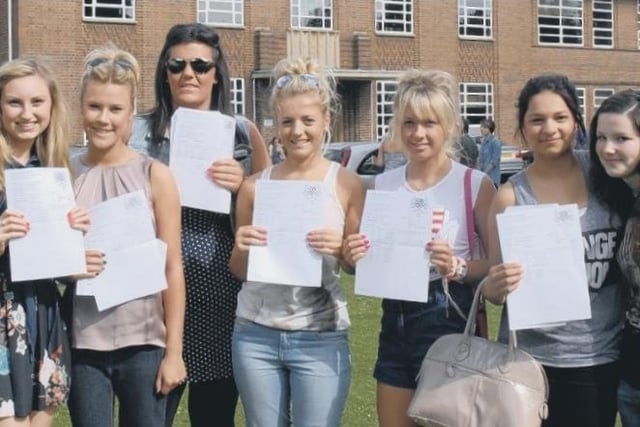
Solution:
(52, 145)
(109, 64)
(430, 92)
(292, 77)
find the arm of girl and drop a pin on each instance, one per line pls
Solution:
(166, 208)
(246, 234)
(351, 193)
(260, 158)
(441, 254)
(229, 173)
(503, 278)
(13, 225)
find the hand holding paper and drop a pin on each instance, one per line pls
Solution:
(199, 138)
(547, 241)
(45, 197)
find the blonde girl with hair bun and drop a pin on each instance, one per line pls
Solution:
(291, 356)
(132, 351)
(426, 120)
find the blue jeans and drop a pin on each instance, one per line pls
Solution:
(129, 374)
(307, 371)
(629, 405)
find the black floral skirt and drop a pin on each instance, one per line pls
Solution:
(34, 354)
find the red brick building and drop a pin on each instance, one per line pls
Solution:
(491, 46)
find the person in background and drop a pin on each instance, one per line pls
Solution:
(276, 151)
(132, 351)
(490, 151)
(192, 72)
(391, 154)
(615, 164)
(465, 147)
(427, 121)
(35, 355)
(291, 356)
(580, 357)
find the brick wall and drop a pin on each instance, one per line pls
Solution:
(56, 31)
(4, 42)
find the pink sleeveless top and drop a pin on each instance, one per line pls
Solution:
(138, 322)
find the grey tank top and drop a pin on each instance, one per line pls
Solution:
(584, 342)
(297, 307)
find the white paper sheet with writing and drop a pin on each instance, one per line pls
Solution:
(289, 210)
(396, 266)
(122, 229)
(547, 241)
(51, 248)
(140, 272)
(198, 138)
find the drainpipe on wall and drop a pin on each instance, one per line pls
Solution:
(9, 31)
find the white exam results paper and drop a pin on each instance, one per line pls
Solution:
(122, 229)
(289, 210)
(547, 241)
(198, 138)
(396, 266)
(51, 248)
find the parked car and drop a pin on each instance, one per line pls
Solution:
(359, 157)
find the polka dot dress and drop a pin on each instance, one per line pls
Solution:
(212, 293)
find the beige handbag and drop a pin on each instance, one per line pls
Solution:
(470, 381)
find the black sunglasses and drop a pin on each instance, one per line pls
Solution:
(198, 65)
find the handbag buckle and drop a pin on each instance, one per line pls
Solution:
(462, 351)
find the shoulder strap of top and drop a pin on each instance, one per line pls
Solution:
(266, 173)
(332, 172)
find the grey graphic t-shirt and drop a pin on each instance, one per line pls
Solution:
(584, 342)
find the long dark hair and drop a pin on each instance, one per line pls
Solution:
(614, 192)
(556, 83)
(220, 93)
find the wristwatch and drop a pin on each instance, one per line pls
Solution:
(461, 270)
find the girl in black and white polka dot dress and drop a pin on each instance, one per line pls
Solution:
(192, 72)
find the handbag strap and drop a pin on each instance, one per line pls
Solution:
(468, 208)
(471, 320)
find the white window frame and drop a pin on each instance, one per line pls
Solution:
(581, 92)
(638, 39)
(127, 9)
(238, 95)
(469, 21)
(600, 10)
(385, 93)
(560, 10)
(223, 13)
(390, 14)
(476, 103)
(600, 94)
(300, 20)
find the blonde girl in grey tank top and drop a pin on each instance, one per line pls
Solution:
(296, 337)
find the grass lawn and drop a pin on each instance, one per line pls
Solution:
(361, 405)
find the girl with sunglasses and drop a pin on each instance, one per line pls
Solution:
(615, 162)
(291, 357)
(132, 351)
(192, 72)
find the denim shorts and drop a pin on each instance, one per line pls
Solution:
(408, 329)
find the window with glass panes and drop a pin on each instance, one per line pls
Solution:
(474, 19)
